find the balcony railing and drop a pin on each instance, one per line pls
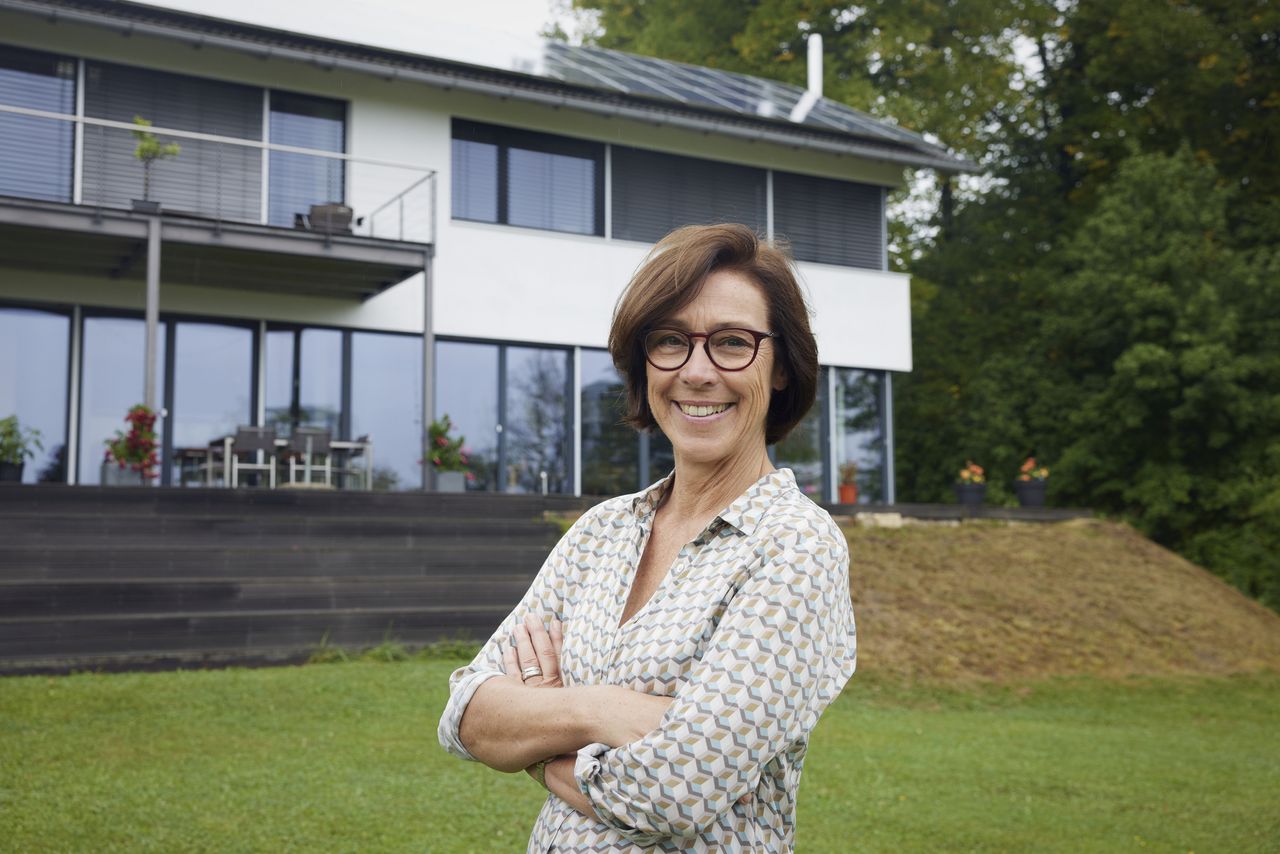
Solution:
(131, 166)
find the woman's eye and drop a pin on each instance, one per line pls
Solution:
(732, 342)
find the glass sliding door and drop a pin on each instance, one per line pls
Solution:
(111, 383)
(860, 434)
(386, 405)
(610, 448)
(212, 383)
(298, 181)
(35, 160)
(304, 380)
(35, 345)
(803, 450)
(467, 391)
(536, 423)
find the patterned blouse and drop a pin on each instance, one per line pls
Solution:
(751, 631)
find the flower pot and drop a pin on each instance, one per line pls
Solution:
(11, 472)
(848, 493)
(971, 494)
(451, 481)
(1030, 492)
(113, 475)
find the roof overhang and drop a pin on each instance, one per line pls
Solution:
(267, 43)
(112, 244)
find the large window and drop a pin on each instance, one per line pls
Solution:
(111, 383)
(35, 158)
(33, 384)
(516, 177)
(304, 380)
(386, 405)
(212, 384)
(831, 222)
(803, 450)
(299, 181)
(216, 179)
(859, 433)
(610, 448)
(654, 193)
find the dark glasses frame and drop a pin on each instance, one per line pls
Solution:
(756, 337)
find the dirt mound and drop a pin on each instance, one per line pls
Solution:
(1006, 601)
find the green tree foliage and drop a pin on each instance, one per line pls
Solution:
(1108, 297)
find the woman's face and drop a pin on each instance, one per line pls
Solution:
(738, 400)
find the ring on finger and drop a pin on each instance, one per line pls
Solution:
(530, 672)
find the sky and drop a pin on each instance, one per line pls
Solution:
(499, 33)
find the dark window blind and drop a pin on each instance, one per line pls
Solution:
(298, 181)
(35, 157)
(210, 178)
(518, 177)
(654, 193)
(828, 221)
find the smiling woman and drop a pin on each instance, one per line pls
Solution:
(663, 673)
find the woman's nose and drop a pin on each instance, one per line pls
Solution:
(699, 369)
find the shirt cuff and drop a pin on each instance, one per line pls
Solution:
(451, 720)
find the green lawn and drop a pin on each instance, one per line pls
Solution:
(343, 757)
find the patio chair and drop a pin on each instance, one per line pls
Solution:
(309, 452)
(245, 448)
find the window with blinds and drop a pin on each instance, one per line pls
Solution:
(517, 177)
(298, 181)
(654, 193)
(210, 178)
(36, 157)
(828, 221)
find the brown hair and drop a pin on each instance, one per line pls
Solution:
(672, 277)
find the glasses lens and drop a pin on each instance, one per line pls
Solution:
(666, 348)
(732, 348)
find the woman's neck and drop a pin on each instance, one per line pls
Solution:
(701, 490)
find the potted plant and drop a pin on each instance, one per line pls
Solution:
(17, 444)
(448, 457)
(1030, 485)
(131, 457)
(848, 483)
(148, 150)
(971, 487)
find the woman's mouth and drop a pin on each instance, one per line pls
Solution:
(697, 410)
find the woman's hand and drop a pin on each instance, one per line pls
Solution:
(534, 647)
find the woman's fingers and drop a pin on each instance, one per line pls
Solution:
(509, 662)
(525, 654)
(557, 638)
(548, 657)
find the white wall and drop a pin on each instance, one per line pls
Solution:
(490, 281)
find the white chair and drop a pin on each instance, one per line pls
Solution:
(309, 452)
(245, 449)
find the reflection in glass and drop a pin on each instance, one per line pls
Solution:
(213, 378)
(33, 344)
(278, 396)
(36, 160)
(801, 450)
(298, 181)
(610, 449)
(860, 430)
(467, 391)
(320, 380)
(386, 405)
(111, 383)
(537, 426)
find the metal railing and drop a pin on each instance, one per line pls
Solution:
(128, 165)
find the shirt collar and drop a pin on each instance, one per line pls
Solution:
(743, 514)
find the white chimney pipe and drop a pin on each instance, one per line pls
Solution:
(815, 64)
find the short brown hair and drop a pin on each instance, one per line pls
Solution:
(672, 277)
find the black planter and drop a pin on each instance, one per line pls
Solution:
(1030, 492)
(11, 472)
(146, 206)
(971, 494)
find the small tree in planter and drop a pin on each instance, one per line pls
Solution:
(848, 483)
(971, 484)
(447, 457)
(135, 451)
(17, 445)
(1032, 481)
(150, 149)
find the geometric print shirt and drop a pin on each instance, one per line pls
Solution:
(751, 631)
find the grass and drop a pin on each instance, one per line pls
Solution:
(343, 757)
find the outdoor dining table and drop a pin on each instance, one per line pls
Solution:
(350, 447)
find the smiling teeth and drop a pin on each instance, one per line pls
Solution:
(702, 411)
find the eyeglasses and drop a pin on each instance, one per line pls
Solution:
(728, 349)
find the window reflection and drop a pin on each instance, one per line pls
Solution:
(278, 396)
(111, 383)
(802, 449)
(537, 428)
(610, 449)
(467, 391)
(213, 377)
(36, 161)
(860, 446)
(298, 181)
(34, 344)
(386, 405)
(320, 380)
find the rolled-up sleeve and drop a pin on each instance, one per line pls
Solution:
(544, 599)
(783, 650)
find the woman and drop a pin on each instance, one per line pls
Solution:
(663, 673)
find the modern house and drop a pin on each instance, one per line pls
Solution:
(247, 226)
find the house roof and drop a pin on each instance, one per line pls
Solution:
(592, 79)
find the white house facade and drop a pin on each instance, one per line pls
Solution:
(310, 232)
